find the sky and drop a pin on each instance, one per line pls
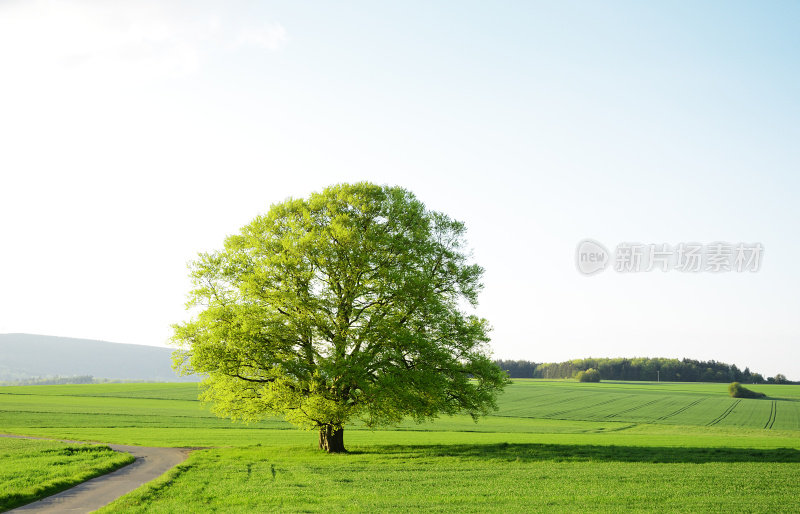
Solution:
(134, 135)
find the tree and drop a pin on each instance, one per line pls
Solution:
(590, 375)
(347, 305)
(737, 390)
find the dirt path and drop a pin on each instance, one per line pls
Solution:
(150, 463)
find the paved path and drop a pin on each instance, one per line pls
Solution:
(150, 463)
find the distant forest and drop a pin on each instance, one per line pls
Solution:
(667, 370)
(81, 379)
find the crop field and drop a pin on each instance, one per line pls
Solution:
(31, 469)
(644, 402)
(553, 445)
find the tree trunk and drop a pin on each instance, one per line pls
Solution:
(331, 439)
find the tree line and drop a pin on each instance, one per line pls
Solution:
(58, 380)
(640, 368)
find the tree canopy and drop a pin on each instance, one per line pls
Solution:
(639, 368)
(349, 304)
(737, 390)
(590, 375)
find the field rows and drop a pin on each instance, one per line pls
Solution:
(176, 406)
(658, 404)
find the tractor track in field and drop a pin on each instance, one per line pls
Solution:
(724, 414)
(88, 496)
(773, 413)
(684, 408)
(97, 396)
(614, 415)
(585, 407)
(551, 399)
(120, 414)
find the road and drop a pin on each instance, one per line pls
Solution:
(150, 463)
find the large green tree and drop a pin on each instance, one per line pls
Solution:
(350, 304)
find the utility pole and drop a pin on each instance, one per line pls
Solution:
(658, 372)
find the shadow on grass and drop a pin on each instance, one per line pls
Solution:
(589, 453)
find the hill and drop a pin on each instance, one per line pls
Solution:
(25, 356)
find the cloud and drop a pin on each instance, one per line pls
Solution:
(127, 40)
(51, 38)
(270, 37)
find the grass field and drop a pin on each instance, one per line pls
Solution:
(553, 445)
(31, 469)
(673, 403)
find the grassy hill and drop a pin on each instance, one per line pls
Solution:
(552, 446)
(148, 413)
(25, 356)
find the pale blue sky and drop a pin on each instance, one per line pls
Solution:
(133, 135)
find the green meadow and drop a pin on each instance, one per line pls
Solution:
(552, 445)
